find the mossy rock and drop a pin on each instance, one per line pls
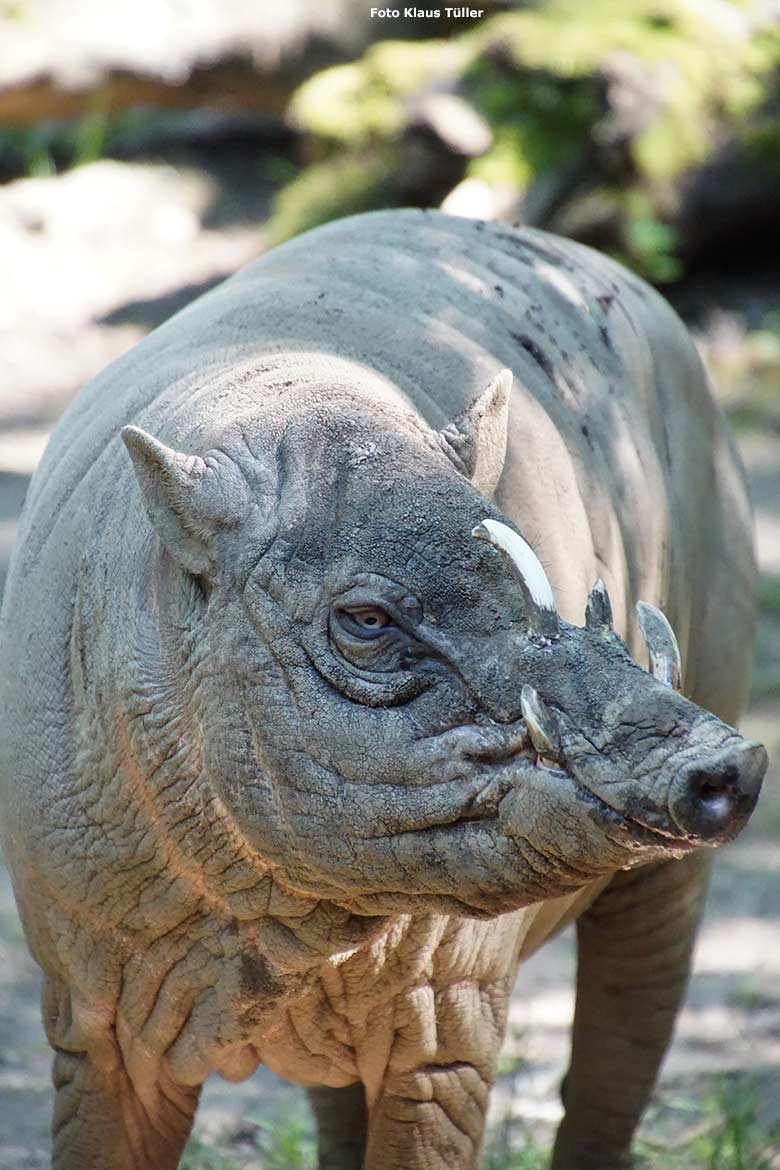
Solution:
(356, 104)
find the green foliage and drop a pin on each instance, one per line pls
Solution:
(287, 1144)
(723, 1131)
(91, 136)
(701, 67)
(538, 120)
(510, 1064)
(727, 1135)
(278, 169)
(343, 185)
(199, 1156)
(539, 75)
(528, 1157)
(650, 244)
(362, 102)
(52, 146)
(761, 142)
(12, 10)
(37, 155)
(747, 373)
(769, 595)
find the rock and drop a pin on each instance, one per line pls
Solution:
(59, 59)
(476, 199)
(441, 136)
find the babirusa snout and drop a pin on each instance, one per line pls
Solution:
(641, 759)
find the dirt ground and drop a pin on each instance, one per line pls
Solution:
(99, 256)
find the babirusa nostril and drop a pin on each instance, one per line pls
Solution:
(713, 800)
(716, 794)
(707, 785)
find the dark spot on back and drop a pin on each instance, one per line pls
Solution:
(667, 444)
(549, 255)
(539, 356)
(569, 388)
(605, 337)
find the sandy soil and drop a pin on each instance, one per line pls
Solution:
(100, 256)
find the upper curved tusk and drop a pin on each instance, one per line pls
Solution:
(527, 570)
(598, 611)
(661, 645)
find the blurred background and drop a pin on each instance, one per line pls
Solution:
(150, 147)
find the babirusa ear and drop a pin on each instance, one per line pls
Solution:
(476, 440)
(187, 499)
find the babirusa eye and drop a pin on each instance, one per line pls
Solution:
(367, 622)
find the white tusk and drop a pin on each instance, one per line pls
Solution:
(661, 645)
(539, 722)
(536, 589)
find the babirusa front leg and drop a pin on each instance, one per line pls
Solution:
(634, 951)
(432, 1118)
(430, 1113)
(103, 1119)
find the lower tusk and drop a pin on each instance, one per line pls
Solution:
(540, 724)
(661, 644)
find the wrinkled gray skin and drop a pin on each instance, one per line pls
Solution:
(268, 792)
